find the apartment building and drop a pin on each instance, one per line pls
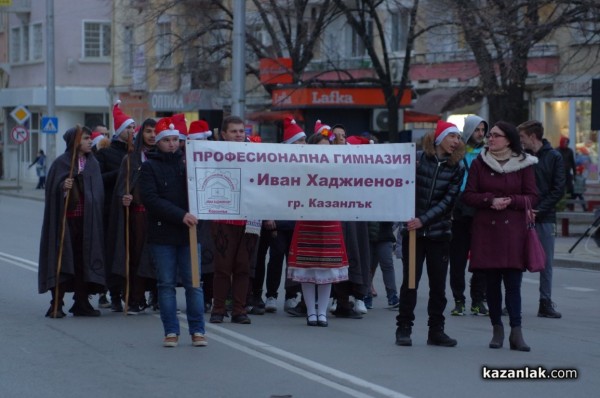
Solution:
(82, 45)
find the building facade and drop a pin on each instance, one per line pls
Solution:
(82, 45)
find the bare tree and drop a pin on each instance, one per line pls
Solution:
(501, 34)
(366, 19)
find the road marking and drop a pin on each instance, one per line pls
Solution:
(580, 289)
(307, 363)
(19, 262)
(272, 352)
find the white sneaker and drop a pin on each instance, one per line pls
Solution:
(332, 305)
(360, 306)
(290, 303)
(271, 304)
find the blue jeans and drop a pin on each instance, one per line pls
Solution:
(545, 232)
(381, 254)
(171, 262)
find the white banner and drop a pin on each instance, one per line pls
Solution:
(234, 180)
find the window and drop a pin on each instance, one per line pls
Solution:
(96, 39)
(164, 58)
(37, 42)
(128, 50)
(399, 31)
(15, 45)
(357, 43)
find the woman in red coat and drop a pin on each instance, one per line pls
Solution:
(500, 181)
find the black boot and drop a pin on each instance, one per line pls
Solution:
(83, 308)
(403, 333)
(547, 310)
(498, 337)
(516, 340)
(438, 337)
(59, 312)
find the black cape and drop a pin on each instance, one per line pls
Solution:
(93, 239)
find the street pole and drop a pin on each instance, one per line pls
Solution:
(238, 72)
(50, 88)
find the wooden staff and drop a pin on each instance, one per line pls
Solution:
(63, 225)
(412, 251)
(194, 256)
(127, 254)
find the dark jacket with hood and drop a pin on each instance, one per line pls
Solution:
(110, 161)
(90, 184)
(550, 180)
(437, 186)
(163, 187)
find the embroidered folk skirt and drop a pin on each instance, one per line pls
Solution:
(318, 253)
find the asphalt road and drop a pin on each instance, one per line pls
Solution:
(278, 356)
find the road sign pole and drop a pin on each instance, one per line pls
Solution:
(50, 90)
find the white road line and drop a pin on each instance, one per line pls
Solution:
(319, 368)
(580, 289)
(19, 262)
(273, 351)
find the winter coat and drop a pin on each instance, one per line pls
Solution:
(93, 234)
(110, 161)
(437, 185)
(498, 236)
(164, 194)
(550, 180)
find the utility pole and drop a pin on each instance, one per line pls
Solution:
(50, 89)
(238, 72)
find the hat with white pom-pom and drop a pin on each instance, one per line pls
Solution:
(165, 128)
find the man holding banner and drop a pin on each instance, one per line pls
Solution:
(439, 175)
(163, 187)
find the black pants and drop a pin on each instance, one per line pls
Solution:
(512, 287)
(436, 255)
(459, 255)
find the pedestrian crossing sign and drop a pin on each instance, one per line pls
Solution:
(49, 125)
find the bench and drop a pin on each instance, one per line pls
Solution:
(577, 217)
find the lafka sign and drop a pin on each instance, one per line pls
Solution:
(334, 97)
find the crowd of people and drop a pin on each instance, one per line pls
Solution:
(117, 224)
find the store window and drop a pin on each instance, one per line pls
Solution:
(572, 118)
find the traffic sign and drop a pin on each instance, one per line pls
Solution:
(21, 114)
(49, 125)
(19, 134)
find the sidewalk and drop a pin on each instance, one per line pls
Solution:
(585, 255)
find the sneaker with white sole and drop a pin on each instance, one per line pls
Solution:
(271, 304)
(198, 340)
(332, 305)
(171, 340)
(359, 305)
(290, 304)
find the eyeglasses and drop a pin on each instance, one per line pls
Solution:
(494, 135)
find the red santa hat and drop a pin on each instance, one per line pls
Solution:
(180, 125)
(443, 129)
(199, 130)
(320, 127)
(120, 119)
(358, 140)
(291, 131)
(165, 128)
(96, 137)
(255, 138)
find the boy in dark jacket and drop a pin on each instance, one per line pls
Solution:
(164, 195)
(439, 176)
(550, 180)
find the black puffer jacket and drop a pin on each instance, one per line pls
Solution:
(164, 194)
(550, 180)
(437, 186)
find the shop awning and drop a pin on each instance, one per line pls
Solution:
(417, 117)
(439, 100)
